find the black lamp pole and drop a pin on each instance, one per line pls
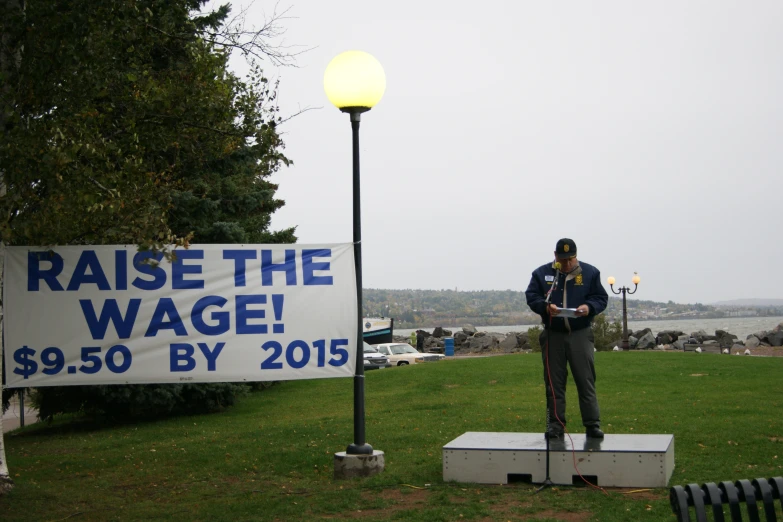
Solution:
(623, 290)
(359, 446)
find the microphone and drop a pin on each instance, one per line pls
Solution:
(554, 283)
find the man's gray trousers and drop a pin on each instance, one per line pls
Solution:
(576, 350)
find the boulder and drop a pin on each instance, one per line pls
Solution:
(646, 342)
(460, 338)
(632, 341)
(699, 336)
(725, 341)
(433, 344)
(775, 338)
(641, 333)
(469, 329)
(437, 332)
(446, 333)
(664, 338)
(522, 339)
(679, 344)
(479, 344)
(509, 343)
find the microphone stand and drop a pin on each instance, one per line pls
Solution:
(548, 481)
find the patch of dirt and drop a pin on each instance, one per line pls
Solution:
(412, 496)
(642, 494)
(506, 510)
(764, 351)
(400, 501)
(565, 516)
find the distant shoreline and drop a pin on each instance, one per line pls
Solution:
(739, 326)
(619, 319)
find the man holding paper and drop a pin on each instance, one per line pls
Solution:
(567, 295)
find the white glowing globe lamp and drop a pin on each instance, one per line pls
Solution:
(610, 280)
(354, 79)
(636, 280)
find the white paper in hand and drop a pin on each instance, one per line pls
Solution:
(567, 312)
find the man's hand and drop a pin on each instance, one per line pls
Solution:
(583, 310)
(553, 310)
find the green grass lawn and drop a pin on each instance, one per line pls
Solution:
(271, 456)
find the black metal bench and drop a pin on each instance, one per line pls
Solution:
(756, 494)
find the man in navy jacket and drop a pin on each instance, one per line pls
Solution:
(568, 283)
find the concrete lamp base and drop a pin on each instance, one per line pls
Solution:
(352, 466)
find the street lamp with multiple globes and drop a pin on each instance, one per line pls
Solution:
(636, 279)
(354, 82)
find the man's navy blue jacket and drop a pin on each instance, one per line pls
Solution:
(581, 286)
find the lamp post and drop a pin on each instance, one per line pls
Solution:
(354, 82)
(623, 290)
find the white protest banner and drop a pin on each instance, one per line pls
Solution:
(217, 313)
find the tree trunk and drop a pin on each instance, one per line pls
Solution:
(6, 483)
(10, 59)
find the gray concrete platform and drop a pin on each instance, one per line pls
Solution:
(637, 461)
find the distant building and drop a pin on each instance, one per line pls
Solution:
(741, 313)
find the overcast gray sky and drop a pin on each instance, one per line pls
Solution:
(649, 132)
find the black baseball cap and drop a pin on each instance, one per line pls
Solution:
(565, 248)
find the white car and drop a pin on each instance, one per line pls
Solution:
(400, 354)
(373, 360)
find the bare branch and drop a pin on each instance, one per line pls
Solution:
(261, 42)
(297, 113)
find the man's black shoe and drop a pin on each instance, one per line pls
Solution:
(594, 432)
(554, 435)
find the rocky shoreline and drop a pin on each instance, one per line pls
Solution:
(469, 341)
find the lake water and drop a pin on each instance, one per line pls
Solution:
(739, 326)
